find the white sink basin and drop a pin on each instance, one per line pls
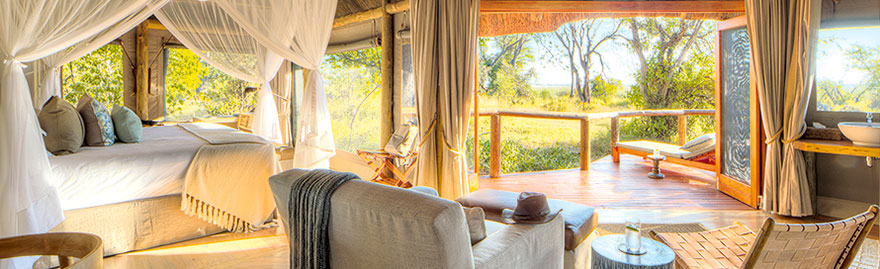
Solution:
(862, 133)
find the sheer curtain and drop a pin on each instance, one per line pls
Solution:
(298, 31)
(211, 33)
(49, 82)
(30, 30)
(444, 53)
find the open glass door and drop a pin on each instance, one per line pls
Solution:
(738, 150)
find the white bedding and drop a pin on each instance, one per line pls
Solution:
(97, 176)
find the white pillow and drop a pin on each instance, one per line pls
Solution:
(699, 142)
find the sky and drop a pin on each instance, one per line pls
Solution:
(622, 63)
(831, 60)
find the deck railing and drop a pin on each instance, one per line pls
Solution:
(585, 120)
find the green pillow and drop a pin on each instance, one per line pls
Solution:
(63, 126)
(96, 118)
(128, 125)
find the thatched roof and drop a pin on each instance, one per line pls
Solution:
(496, 24)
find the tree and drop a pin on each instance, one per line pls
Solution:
(503, 66)
(98, 74)
(603, 89)
(834, 96)
(663, 46)
(193, 88)
(579, 42)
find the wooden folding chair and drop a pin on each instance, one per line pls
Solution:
(380, 161)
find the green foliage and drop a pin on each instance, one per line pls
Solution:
(833, 96)
(605, 89)
(675, 74)
(98, 73)
(504, 73)
(195, 89)
(352, 82)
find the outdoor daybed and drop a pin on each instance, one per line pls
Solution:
(697, 153)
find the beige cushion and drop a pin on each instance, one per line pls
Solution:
(97, 121)
(699, 143)
(63, 127)
(668, 150)
(475, 218)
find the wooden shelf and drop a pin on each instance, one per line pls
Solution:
(845, 147)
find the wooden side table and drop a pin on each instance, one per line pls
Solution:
(655, 171)
(607, 255)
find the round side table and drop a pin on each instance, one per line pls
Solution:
(606, 254)
(655, 171)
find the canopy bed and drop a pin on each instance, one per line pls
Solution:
(131, 194)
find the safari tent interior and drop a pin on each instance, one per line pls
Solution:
(87, 185)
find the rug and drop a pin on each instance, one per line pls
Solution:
(868, 257)
(617, 228)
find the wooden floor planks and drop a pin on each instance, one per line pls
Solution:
(617, 191)
(623, 185)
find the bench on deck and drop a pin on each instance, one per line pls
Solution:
(697, 153)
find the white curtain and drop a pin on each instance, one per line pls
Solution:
(299, 31)
(444, 48)
(48, 84)
(30, 30)
(211, 33)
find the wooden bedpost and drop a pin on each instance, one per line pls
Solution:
(142, 74)
(387, 92)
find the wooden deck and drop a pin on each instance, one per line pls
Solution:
(623, 186)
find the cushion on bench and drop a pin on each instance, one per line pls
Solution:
(580, 220)
(668, 150)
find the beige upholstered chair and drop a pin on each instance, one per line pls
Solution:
(776, 245)
(378, 226)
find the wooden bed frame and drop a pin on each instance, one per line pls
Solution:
(616, 151)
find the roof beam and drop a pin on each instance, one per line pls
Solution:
(638, 6)
(371, 14)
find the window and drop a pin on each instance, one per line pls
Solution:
(848, 70)
(408, 98)
(352, 82)
(848, 57)
(195, 89)
(98, 74)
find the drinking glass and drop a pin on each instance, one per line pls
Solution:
(633, 235)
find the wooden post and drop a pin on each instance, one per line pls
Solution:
(682, 129)
(476, 117)
(495, 147)
(387, 93)
(585, 144)
(142, 74)
(615, 137)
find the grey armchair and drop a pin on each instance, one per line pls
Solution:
(378, 226)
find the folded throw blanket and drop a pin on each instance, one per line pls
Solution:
(226, 182)
(308, 214)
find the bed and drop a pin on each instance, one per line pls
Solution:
(130, 194)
